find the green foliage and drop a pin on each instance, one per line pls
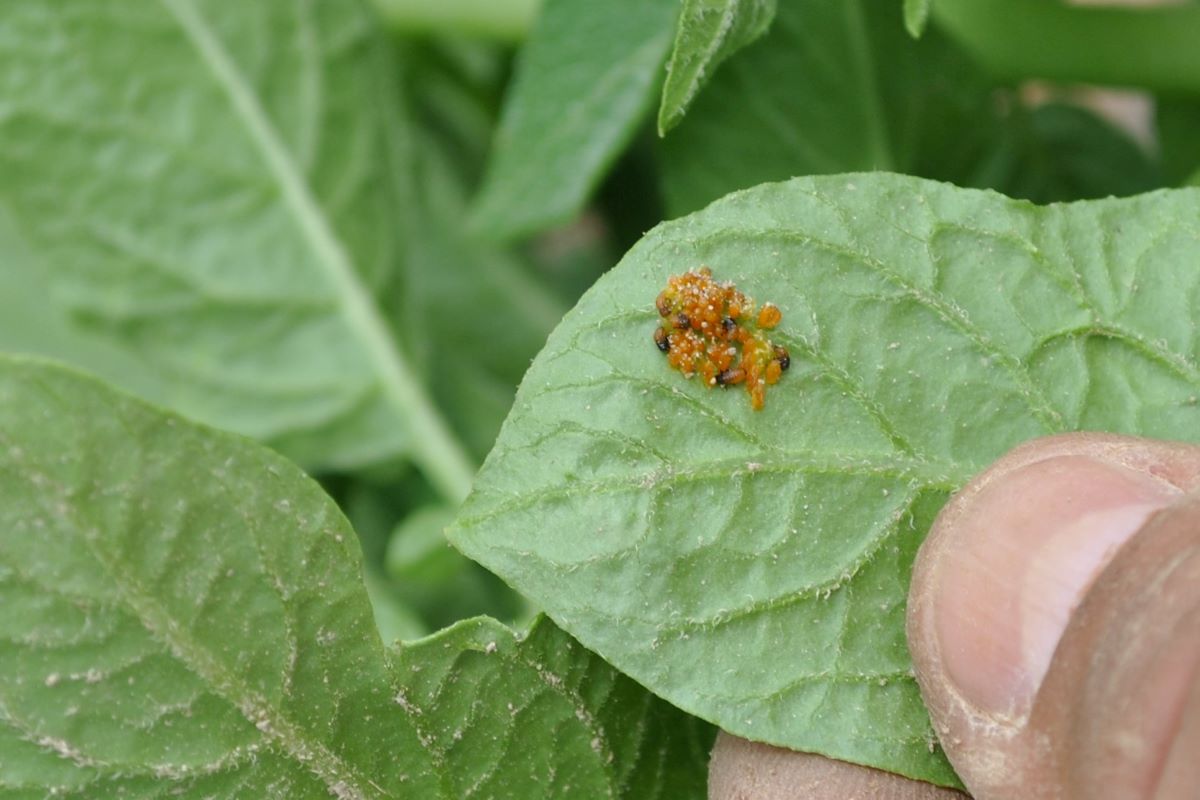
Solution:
(916, 16)
(888, 102)
(295, 221)
(710, 31)
(256, 160)
(583, 84)
(184, 616)
(1178, 123)
(752, 567)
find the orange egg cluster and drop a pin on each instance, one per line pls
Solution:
(711, 329)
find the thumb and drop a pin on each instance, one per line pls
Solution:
(1054, 621)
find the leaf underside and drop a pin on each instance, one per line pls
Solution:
(709, 32)
(752, 567)
(184, 616)
(216, 218)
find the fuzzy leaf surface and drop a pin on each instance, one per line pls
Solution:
(709, 32)
(225, 217)
(185, 617)
(752, 567)
(584, 82)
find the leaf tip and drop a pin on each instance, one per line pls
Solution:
(916, 16)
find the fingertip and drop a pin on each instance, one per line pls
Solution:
(1002, 572)
(745, 770)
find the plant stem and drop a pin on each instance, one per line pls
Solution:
(505, 20)
(1156, 48)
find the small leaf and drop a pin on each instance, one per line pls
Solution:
(584, 82)
(418, 551)
(709, 32)
(184, 617)
(752, 567)
(916, 16)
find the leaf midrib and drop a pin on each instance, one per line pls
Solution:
(435, 446)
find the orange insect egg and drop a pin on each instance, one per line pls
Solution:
(769, 316)
(711, 329)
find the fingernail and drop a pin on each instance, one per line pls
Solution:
(1021, 553)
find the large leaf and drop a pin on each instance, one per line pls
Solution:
(215, 189)
(184, 617)
(709, 32)
(752, 567)
(584, 82)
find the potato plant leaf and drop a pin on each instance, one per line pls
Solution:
(869, 97)
(584, 82)
(270, 135)
(916, 16)
(184, 616)
(709, 32)
(833, 115)
(752, 567)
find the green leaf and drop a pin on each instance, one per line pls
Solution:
(474, 314)
(867, 96)
(1177, 121)
(752, 567)
(709, 32)
(583, 84)
(916, 16)
(228, 216)
(832, 115)
(184, 617)
(1058, 152)
(418, 551)
(579, 726)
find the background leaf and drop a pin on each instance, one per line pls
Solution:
(184, 615)
(867, 96)
(1057, 152)
(916, 16)
(216, 191)
(473, 314)
(864, 96)
(709, 32)
(583, 84)
(1177, 120)
(752, 567)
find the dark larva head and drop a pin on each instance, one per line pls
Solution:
(662, 339)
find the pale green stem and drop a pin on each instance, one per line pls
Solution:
(1157, 48)
(504, 20)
